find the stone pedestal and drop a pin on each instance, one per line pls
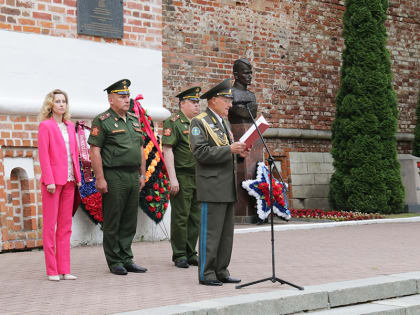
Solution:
(245, 208)
(411, 181)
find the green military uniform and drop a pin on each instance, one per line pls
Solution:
(120, 142)
(216, 189)
(185, 211)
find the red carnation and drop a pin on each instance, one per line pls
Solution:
(149, 198)
(162, 190)
(165, 182)
(165, 205)
(157, 198)
(160, 175)
(158, 215)
(153, 209)
(167, 196)
(155, 186)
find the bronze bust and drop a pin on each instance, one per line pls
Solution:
(238, 113)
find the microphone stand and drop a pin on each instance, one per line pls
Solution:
(270, 160)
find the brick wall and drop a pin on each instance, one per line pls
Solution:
(20, 198)
(142, 20)
(295, 47)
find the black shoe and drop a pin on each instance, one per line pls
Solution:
(181, 263)
(119, 270)
(211, 282)
(193, 261)
(230, 280)
(134, 268)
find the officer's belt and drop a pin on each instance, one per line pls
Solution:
(123, 168)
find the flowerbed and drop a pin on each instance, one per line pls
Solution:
(333, 215)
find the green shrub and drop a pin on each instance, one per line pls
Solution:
(367, 172)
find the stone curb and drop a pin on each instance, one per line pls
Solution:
(288, 227)
(319, 297)
(407, 305)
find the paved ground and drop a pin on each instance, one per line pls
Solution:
(304, 257)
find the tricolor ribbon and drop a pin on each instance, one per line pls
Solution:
(84, 152)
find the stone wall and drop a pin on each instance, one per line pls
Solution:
(20, 197)
(142, 20)
(310, 178)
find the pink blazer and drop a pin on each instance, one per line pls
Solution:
(53, 153)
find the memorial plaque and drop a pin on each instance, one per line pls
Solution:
(102, 18)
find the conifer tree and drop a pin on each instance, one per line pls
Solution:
(416, 143)
(367, 172)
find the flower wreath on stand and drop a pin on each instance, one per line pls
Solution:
(259, 188)
(154, 197)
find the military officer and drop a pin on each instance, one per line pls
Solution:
(214, 149)
(116, 151)
(180, 163)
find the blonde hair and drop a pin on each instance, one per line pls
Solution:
(46, 109)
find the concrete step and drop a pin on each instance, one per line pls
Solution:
(408, 305)
(322, 298)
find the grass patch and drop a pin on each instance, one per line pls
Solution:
(401, 215)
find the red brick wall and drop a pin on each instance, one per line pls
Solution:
(142, 20)
(295, 47)
(20, 198)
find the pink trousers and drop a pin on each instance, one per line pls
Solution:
(56, 229)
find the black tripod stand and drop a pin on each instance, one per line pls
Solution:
(270, 160)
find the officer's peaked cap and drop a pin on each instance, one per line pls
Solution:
(119, 87)
(222, 89)
(192, 94)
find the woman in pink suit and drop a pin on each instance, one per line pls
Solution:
(59, 160)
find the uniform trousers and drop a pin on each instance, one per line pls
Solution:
(216, 240)
(56, 228)
(120, 209)
(185, 219)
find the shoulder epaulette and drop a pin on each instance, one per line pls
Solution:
(132, 114)
(105, 116)
(202, 115)
(175, 118)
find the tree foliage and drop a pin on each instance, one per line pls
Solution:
(367, 172)
(416, 143)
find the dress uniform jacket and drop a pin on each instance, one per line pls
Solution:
(215, 170)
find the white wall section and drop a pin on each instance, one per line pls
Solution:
(33, 65)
